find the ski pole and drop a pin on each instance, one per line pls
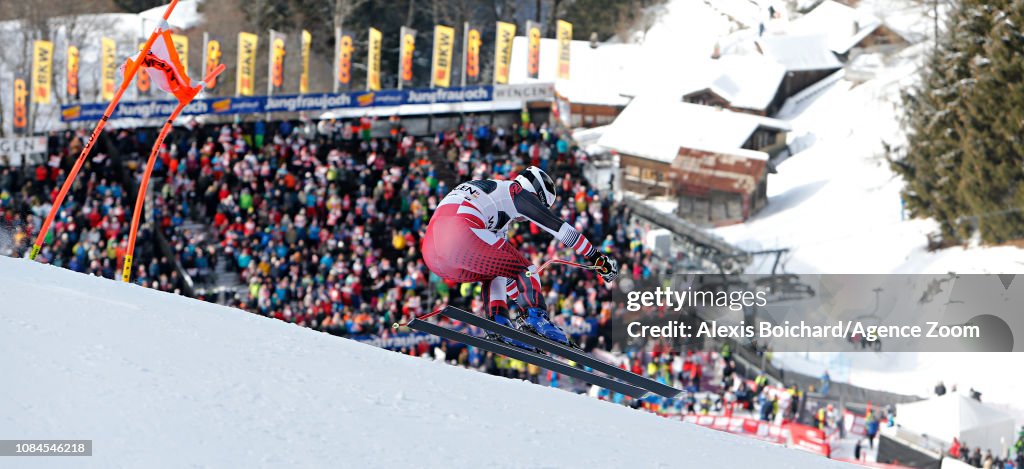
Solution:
(568, 263)
(126, 270)
(425, 316)
(600, 280)
(129, 74)
(539, 270)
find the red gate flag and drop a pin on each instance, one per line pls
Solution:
(169, 74)
(165, 68)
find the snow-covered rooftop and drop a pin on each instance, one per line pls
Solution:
(589, 139)
(746, 81)
(842, 26)
(914, 21)
(799, 52)
(657, 126)
(596, 75)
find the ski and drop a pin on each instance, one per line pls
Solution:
(529, 357)
(563, 351)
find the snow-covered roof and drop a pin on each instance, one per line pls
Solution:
(589, 139)
(596, 75)
(913, 22)
(588, 136)
(746, 81)
(842, 26)
(799, 52)
(657, 126)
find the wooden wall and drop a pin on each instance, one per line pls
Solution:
(711, 189)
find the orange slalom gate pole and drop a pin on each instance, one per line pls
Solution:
(129, 74)
(126, 270)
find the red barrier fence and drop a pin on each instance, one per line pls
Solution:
(793, 435)
(854, 423)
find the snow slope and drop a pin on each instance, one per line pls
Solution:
(157, 380)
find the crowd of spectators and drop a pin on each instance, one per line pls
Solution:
(987, 460)
(322, 222)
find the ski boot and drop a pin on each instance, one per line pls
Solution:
(537, 322)
(504, 321)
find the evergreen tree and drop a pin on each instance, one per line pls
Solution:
(932, 160)
(962, 162)
(993, 116)
(270, 14)
(604, 17)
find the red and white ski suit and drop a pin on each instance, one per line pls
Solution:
(467, 241)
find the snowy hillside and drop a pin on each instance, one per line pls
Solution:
(157, 380)
(836, 204)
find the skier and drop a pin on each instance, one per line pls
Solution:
(467, 241)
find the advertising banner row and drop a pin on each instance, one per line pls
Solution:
(311, 102)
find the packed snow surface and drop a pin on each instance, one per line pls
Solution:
(157, 380)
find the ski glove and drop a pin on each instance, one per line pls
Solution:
(607, 268)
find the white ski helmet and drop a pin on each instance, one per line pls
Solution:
(535, 180)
